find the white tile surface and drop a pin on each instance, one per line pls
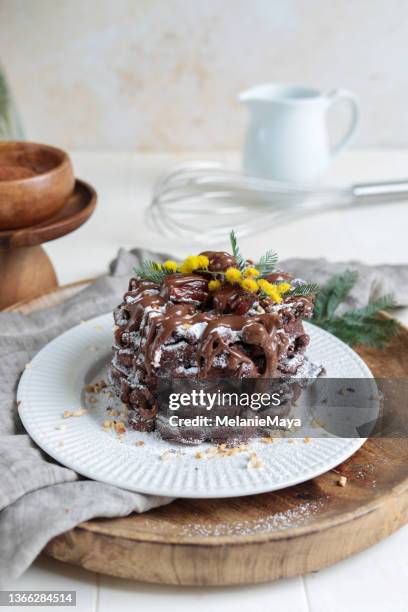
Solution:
(47, 574)
(286, 595)
(376, 579)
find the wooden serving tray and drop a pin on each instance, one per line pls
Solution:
(259, 538)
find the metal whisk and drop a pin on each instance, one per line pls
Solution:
(201, 201)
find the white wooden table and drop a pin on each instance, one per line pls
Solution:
(376, 579)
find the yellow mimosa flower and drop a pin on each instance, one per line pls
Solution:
(233, 275)
(284, 288)
(203, 262)
(270, 290)
(213, 285)
(170, 265)
(189, 264)
(249, 285)
(251, 272)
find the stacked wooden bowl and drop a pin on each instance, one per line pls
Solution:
(40, 200)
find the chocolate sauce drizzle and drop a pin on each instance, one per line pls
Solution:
(242, 335)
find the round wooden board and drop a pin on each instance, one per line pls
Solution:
(264, 537)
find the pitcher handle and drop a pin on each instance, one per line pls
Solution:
(336, 96)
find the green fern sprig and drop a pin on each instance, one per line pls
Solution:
(267, 264)
(387, 302)
(304, 289)
(152, 271)
(357, 326)
(241, 261)
(334, 292)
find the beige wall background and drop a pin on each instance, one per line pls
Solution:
(164, 74)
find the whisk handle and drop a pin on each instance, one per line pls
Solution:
(387, 190)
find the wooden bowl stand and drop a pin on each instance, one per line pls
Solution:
(26, 270)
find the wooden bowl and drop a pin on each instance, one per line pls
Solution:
(35, 182)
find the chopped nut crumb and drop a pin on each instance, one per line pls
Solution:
(120, 427)
(342, 481)
(199, 455)
(96, 387)
(80, 412)
(254, 462)
(66, 414)
(244, 447)
(107, 424)
(267, 440)
(307, 440)
(112, 412)
(226, 451)
(139, 443)
(167, 455)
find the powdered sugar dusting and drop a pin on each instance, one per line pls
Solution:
(278, 521)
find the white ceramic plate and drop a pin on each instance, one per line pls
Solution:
(54, 382)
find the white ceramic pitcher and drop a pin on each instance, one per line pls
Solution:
(287, 137)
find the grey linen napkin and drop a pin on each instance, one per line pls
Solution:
(40, 499)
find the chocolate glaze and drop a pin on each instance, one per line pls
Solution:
(231, 298)
(181, 329)
(185, 289)
(220, 260)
